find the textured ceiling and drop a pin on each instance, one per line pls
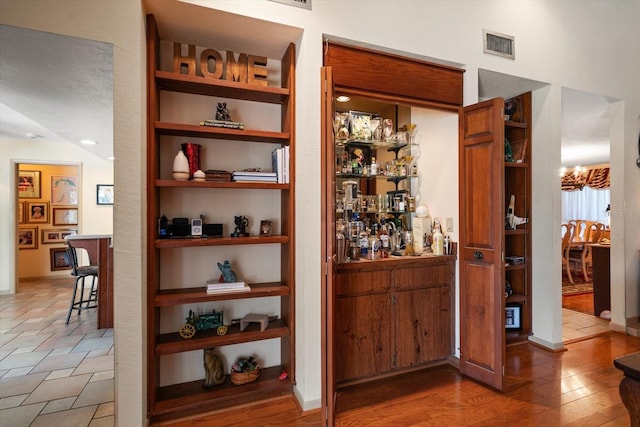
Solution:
(57, 87)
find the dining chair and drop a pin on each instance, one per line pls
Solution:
(583, 257)
(81, 273)
(567, 236)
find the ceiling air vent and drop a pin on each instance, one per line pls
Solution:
(305, 4)
(499, 44)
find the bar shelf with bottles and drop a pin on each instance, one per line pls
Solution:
(375, 207)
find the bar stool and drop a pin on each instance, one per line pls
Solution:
(80, 273)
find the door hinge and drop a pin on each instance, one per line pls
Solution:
(502, 255)
(394, 360)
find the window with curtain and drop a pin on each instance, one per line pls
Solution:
(587, 204)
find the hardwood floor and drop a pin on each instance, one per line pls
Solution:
(576, 387)
(582, 303)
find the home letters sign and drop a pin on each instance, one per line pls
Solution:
(249, 69)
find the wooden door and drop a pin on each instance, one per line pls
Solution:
(422, 326)
(482, 214)
(327, 186)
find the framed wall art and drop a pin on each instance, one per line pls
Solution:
(28, 238)
(65, 216)
(59, 259)
(513, 316)
(104, 194)
(20, 212)
(29, 184)
(56, 235)
(37, 212)
(64, 190)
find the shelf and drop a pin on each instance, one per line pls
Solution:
(511, 124)
(517, 232)
(172, 297)
(185, 396)
(516, 298)
(197, 85)
(522, 266)
(171, 183)
(522, 165)
(198, 131)
(173, 343)
(218, 241)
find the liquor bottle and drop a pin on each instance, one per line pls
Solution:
(438, 239)
(374, 167)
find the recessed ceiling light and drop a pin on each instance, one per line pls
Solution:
(33, 135)
(88, 142)
(111, 158)
(343, 98)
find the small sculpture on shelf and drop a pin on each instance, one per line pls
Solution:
(201, 322)
(228, 275)
(242, 222)
(222, 113)
(213, 368)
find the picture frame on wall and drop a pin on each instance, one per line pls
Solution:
(28, 238)
(37, 212)
(21, 212)
(513, 316)
(65, 216)
(59, 259)
(29, 184)
(64, 190)
(104, 194)
(56, 235)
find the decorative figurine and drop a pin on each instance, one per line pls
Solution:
(228, 275)
(202, 322)
(222, 113)
(242, 222)
(214, 371)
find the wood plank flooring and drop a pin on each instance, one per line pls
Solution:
(576, 387)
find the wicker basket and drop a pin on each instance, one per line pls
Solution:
(239, 378)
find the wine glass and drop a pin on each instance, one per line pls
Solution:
(412, 130)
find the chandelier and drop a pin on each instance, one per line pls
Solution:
(579, 177)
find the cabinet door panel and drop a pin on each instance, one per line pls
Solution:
(482, 334)
(363, 336)
(423, 323)
(406, 278)
(363, 282)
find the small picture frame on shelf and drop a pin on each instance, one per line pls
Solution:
(265, 228)
(513, 316)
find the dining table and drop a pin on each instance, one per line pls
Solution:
(99, 247)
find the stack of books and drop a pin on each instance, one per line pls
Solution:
(280, 164)
(244, 176)
(222, 124)
(217, 175)
(216, 287)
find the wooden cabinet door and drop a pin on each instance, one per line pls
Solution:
(422, 326)
(481, 160)
(363, 336)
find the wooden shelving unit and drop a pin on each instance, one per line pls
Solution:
(517, 182)
(170, 401)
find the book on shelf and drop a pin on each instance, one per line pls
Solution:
(222, 124)
(215, 284)
(280, 163)
(255, 176)
(245, 288)
(217, 175)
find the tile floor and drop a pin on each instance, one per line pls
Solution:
(52, 374)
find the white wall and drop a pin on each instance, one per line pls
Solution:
(590, 46)
(121, 23)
